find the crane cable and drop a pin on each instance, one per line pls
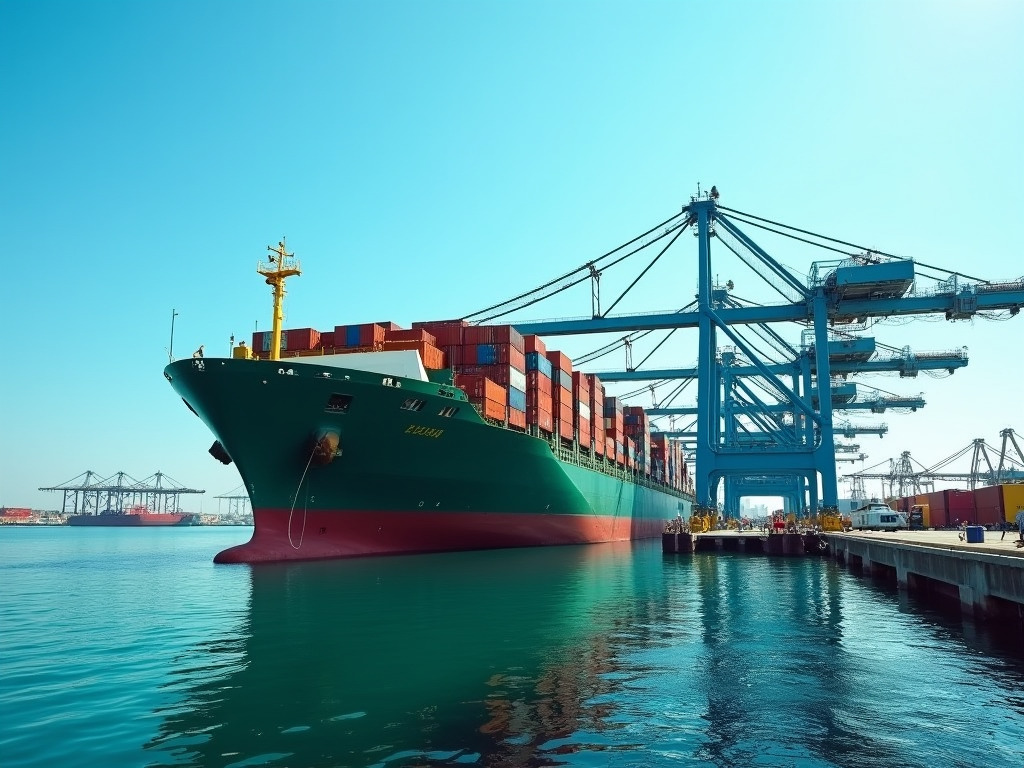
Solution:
(578, 269)
(841, 242)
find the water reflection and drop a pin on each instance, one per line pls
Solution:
(589, 655)
(379, 660)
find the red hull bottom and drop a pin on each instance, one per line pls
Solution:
(283, 535)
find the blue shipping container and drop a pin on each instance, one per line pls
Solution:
(516, 400)
(535, 361)
(486, 354)
(352, 336)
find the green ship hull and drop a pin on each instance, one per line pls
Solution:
(340, 462)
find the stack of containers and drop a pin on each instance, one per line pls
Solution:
(448, 335)
(660, 458)
(613, 426)
(497, 352)
(561, 393)
(367, 337)
(538, 386)
(490, 398)
(629, 449)
(638, 427)
(581, 410)
(597, 433)
(418, 339)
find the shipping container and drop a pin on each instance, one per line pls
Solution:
(431, 356)
(989, 503)
(541, 417)
(502, 374)
(1013, 501)
(613, 406)
(534, 344)
(448, 333)
(480, 387)
(410, 334)
(453, 355)
(516, 418)
(390, 327)
(536, 361)
(493, 334)
(537, 399)
(560, 362)
(960, 506)
(517, 399)
(536, 380)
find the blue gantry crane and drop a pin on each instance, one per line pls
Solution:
(781, 428)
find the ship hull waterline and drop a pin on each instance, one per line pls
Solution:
(427, 477)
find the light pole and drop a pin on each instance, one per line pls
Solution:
(170, 349)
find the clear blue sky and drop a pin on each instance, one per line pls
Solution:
(427, 159)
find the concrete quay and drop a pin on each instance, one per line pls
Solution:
(985, 578)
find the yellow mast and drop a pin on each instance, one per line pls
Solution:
(281, 266)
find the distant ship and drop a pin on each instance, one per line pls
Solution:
(138, 516)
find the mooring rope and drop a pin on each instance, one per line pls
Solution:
(295, 500)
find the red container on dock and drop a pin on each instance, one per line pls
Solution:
(989, 504)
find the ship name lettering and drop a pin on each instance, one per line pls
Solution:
(413, 429)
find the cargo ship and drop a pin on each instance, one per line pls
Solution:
(134, 517)
(373, 440)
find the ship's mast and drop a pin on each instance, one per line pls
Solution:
(281, 266)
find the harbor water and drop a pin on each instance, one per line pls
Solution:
(129, 647)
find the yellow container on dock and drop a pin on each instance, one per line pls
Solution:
(1013, 501)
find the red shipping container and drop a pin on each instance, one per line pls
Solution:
(389, 326)
(560, 361)
(431, 356)
(371, 335)
(296, 339)
(447, 332)
(534, 344)
(580, 385)
(583, 427)
(599, 443)
(989, 504)
(516, 358)
(412, 334)
(537, 381)
(540, 417)
(469, 354)
(537, 399)
(326, 339)
(516, 418)
(494, 334)
(960, 504)
(452, 355)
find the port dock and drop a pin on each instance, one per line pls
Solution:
(985, 579)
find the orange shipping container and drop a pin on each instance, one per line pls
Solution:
(432, 357)
(516, 418)
(479, 387)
